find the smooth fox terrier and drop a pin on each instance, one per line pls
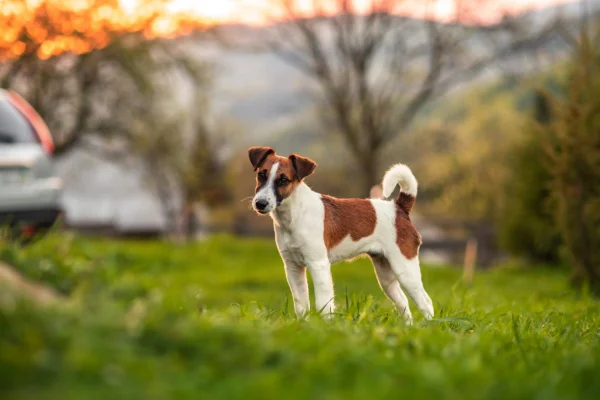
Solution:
(313, 231)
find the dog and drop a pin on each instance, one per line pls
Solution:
(314, 231)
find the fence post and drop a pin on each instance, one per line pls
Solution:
(470, 260)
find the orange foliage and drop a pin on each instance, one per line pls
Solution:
(45, 28)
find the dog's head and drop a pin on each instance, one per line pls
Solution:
(276, 177)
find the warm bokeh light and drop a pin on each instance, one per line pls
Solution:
(50, 27)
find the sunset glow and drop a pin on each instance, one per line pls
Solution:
(259, 12)
(50, 27)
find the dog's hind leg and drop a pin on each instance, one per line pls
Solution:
(408, 273)
(390, 286)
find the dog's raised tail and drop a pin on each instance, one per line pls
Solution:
(400, 174)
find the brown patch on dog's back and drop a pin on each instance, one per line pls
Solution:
(407, 236)
(343, 217)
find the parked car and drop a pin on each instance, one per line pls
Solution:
(30, 191)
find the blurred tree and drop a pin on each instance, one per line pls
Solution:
(530, 226)
(203, 173)
(526, 226)
(461, 154)
(181, 157)
(377, 70)
(153, 144)
(575, 163)
(87, 67)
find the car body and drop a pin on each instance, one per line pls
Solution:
(30, 191)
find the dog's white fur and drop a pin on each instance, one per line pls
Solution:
(267, 193)
(299, 227)
(399, 174)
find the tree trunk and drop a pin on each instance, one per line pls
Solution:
(188, 221)
(164, 196)
(369, 173)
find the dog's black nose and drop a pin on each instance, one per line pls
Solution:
(261, 204)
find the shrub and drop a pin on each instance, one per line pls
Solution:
(526, 226)
(575, 165)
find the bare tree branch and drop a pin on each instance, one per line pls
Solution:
(428, 86)
(366, 63)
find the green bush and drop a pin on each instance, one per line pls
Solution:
(553, 199)
(526, 225)
(575, 164)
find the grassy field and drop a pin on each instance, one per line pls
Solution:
(152, 320)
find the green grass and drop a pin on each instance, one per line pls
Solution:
(152, 320)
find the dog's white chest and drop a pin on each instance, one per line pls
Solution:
(299, 229)
(293, 245)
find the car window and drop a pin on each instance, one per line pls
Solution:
(14, 128)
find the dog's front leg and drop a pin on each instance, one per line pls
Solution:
(296, 277)
(320, 272)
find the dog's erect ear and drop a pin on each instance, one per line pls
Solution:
(258, 155)
(303, 166)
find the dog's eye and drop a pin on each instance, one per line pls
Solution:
(262, 175)
(283, 181)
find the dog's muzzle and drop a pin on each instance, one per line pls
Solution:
(261, 206)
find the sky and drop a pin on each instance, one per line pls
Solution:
(260, 11)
